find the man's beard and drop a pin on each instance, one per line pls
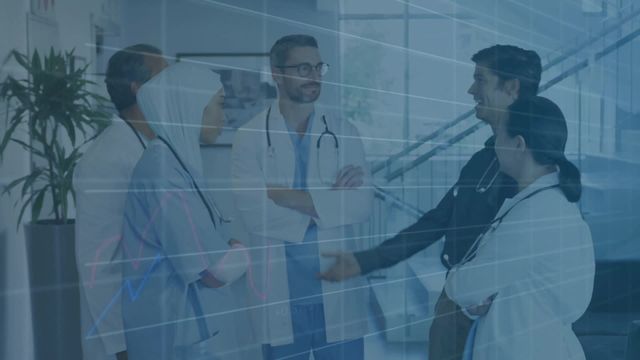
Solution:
(297, 94)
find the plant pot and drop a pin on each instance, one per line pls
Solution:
(55, 296)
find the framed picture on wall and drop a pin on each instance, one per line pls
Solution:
(44, 8)
(246, 78)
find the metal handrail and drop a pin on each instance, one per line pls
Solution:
(421, 141)
(457, 138)
(431, 153)
(386, 195)
(591, 40)
(557, 60)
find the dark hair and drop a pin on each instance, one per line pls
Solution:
(280, 50)
(125, 67)
(544, 129)
(510, 62)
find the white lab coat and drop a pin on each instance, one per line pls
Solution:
(169, 239)
(270, 226)
(540, 262)
(101, 180)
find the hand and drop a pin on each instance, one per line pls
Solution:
(345, 267)
(482, 309)
(297, 200)
(273, 191)
(229, 268)
(209, 280)
(349, 177)
(276, 193)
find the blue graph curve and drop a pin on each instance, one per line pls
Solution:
(128, 289)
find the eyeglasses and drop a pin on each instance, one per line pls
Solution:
(304, 69)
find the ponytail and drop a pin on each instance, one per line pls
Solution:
(570, 182)
(543, 127)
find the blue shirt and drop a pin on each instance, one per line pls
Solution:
(471, 338)
(303, 263)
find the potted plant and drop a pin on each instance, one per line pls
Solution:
(53, 103)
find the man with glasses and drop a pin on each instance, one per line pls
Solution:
(300, 183)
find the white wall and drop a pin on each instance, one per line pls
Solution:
(72, 19)
(16, 325)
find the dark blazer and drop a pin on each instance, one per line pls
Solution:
(460, 216)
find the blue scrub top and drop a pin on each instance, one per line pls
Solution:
(303, 263)
(168, 240)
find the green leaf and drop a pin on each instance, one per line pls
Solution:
(72, 63)
(24, 207)
(53, 103)
(14, 183)
(72, 159)
(37, 205)
(28, 182)
(7, 137)
(29, 147)
(21, 59)
(36, 64)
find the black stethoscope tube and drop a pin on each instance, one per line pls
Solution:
(195, 184)
(325, 132)
(473, 250)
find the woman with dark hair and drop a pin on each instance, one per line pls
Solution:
(529, 275)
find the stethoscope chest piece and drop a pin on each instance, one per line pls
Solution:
(321, 160)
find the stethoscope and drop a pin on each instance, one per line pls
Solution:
(493, 225)
(136, 133)
(482, 185)
(203, 328)
(213, 211)
(485, 182)
(210, 210)
(326, 132)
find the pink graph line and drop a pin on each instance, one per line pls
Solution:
(196, 238)
(135, 263)
(96, 258)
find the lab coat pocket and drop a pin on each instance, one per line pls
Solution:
(274, 173)
(202, 350)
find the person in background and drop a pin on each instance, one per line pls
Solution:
(101, 180)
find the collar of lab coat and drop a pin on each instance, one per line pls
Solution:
(140, 136)
(543, 181)
(278, 125)
(283, 147)
(279, 133)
